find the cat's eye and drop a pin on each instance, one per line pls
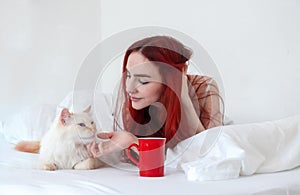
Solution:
(92, 122)
(81, 124)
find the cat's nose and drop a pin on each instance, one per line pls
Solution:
(92, 129)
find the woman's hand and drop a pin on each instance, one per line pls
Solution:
(184, 89)
(117, 141)
(195, 125)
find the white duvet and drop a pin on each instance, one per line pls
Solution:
(230, 151)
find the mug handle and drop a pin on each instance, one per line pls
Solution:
(129, 154)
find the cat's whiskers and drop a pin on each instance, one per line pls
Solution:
(90, 137)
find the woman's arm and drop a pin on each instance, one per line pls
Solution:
(193, 125)
(207, 113)
(212, 111)
(116, 141)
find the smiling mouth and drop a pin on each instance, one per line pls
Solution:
(134, 99)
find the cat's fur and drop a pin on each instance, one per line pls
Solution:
(64, 145)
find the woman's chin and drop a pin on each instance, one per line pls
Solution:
(137, 107)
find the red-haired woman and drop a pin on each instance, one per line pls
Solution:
(158, 99)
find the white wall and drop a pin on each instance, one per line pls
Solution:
(255, 45)
(42, 45)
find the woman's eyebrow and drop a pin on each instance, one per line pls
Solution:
(139, 75)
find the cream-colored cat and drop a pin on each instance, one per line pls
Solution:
(64, 145)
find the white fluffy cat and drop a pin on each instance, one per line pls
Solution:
(64, 145)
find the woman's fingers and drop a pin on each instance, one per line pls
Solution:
(115, 141)
(96, 150)
(88, 147)
(93, 150)
(108, 147)
(105, 135)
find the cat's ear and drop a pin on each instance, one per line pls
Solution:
(88, 109)
(64, 116)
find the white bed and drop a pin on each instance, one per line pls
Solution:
(20, 176)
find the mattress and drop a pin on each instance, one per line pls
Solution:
(19, 176)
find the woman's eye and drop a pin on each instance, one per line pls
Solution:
(143, 82)
(81, 124)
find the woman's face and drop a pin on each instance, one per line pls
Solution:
(143, 81)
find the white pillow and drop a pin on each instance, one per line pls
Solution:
(102, 106)
(29, 124)
(32, 123)
(229, 151)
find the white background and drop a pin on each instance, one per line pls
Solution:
(255, 45)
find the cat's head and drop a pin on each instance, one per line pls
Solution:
(77, 127)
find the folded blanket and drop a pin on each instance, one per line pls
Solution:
(230, 151)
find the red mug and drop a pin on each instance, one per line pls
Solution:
(151, 156)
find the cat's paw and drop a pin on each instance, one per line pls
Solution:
(49, 167)
(90, 163)
(95, 163)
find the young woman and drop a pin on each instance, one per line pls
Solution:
(157, 98)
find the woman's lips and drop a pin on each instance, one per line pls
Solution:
(135, 99)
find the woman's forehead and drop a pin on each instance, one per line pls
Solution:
(136, 58)
(139, 65)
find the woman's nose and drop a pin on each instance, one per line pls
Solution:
(131, 86)
(131, 90)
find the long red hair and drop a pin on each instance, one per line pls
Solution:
(174, 55)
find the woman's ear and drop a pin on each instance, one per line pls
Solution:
(88, 109)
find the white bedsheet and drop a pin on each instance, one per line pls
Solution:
(19, 176)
